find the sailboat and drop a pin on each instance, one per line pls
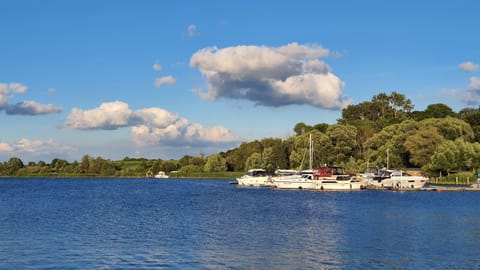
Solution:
(300, 180)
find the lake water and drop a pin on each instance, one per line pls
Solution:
(210, 224)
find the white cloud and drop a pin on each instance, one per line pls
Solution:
(157, 67)
(31, 108)
(270, 76)
(149, 126)
(192, 30)
(156, 117)
(36, 147)
(164, 80)
(5, 147)
(18, 88)
(468, 66)
(8, 89)
(24, 107)
(110, 115)
(475, 83)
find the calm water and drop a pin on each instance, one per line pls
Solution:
(209, 224)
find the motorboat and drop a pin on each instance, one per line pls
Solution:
(254, 177)
(334, 178)
(300, 180)
(397, 179)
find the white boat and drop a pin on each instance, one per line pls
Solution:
(301, 180)
(333, 178)
(161, 174)
(395, 179)
(254, 177)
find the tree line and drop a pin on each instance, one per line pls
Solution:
(373, 133)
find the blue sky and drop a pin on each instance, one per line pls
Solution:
(163, 79)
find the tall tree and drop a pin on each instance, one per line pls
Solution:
(343, 140)
(422, 144)
(390, 143)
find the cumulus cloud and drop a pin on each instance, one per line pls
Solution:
(149, 126)
(31, 108)
(468, 66)
(157, 67)
(192, 30)
(475, 83)
(110, 115)
(25, 107)
(8, 89)
(270, 76)
(164, 80)
(5, 147)
(37, 147)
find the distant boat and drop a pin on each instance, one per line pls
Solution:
(254, 177)
(161, 174)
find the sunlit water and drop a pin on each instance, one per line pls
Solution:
(209, 224)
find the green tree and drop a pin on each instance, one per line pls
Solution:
(236, 158)
(85, 163)
(274, 153)
(422, 144)
(390, 143)
(254, 161)
(323, 150)
(13, 165)
(302, 128)
(444, 158)
(269, 159)
(215, 163)
(344, 141)
(450, 128)
(438, 110)
(472, 117)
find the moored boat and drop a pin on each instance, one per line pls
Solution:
(333, 178)
(254, 177)
(301, 180)
(396, 179)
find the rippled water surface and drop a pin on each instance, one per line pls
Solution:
(209, 224)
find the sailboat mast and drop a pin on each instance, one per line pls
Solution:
(311, 152)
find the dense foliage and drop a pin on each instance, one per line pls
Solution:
(372, 133)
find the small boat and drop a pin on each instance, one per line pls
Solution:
(161, 174)
(254, 177)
